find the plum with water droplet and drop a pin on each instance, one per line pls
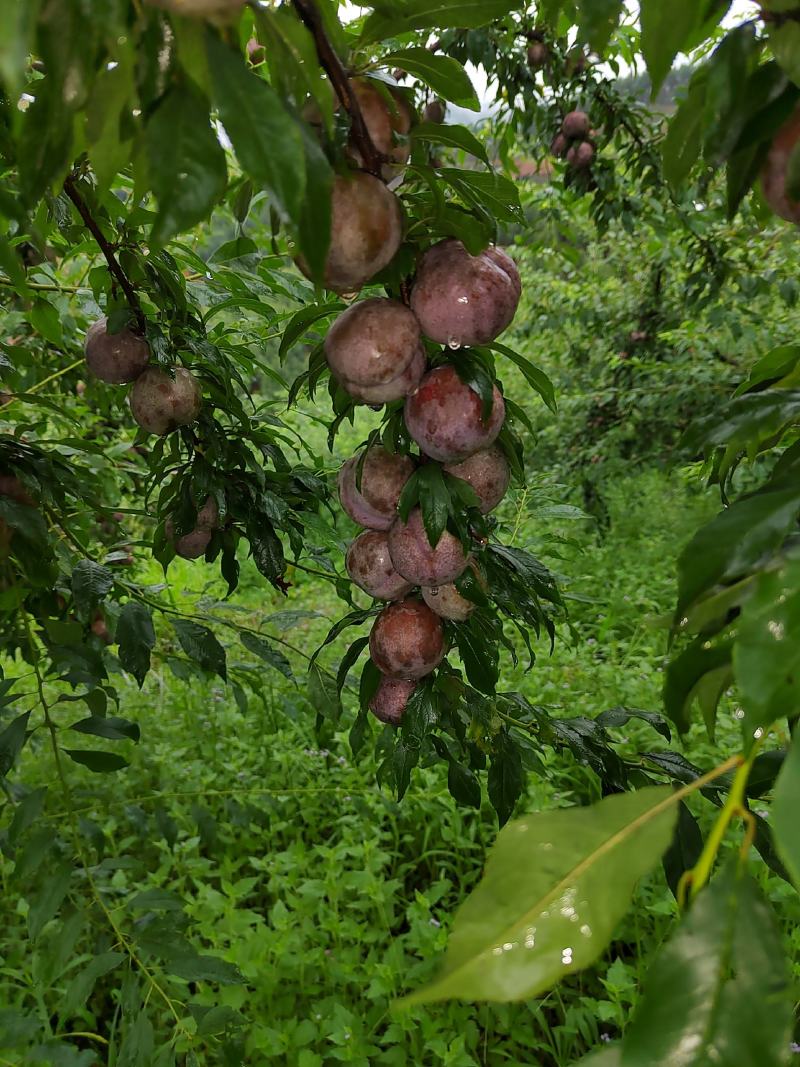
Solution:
(445, 417)
(373, 502)
(420, 562)
(447, 602)
(775, 170)
(374, 350)
(116, 358)
(462, 300)
(407, 640)
(370, 567)
(366, 231)
(488, 473)
(160, 403)
(390, 700)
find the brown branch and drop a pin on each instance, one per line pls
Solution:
(370, 156)
(71, 189)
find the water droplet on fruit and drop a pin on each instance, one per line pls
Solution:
(434, 590)
(453, 343)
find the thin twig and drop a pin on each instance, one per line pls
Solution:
(371, 158)
(119, 275)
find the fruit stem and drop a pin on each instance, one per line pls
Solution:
(71, 189)
(371, 157)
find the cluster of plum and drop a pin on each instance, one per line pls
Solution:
(376, 352)
(575, 141)
(161, 401)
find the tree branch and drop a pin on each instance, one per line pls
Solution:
(370, 156)
(71, 189)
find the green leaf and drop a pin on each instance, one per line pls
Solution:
(666, 30)
(683, 142)
(463, 785)
(555, 886)
(786, 805)
(685, 850)
(201, 645)
(452, 136)
(490, 192)
(314, 227)
(112, 728)
(597, 20)
(136, 638)
(391, 19)
(506, 778)
(615, 718)
(434, 501)
(196, 968)
(719, 989)
(730, 545)
(90, 583)
(260, 647)
(94, 760)
(686, 672)
(766, 656)
(302, 320)
(481, 657)
(48, 898)
(12, 740)
(46, 320)
(323, 694)
(443, 74)
(267, 140)
(185, 162)
(532, 374)
(80, 988)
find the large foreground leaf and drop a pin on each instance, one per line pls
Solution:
(556, 885)
(718, 992)
(784, 813)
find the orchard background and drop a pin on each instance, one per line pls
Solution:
(540, 809)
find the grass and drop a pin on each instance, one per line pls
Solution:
(331, 898)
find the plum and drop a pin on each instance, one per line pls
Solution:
(407, 640)
(161, 404)
(445, 417)
(420, 562)
(559, 146)
(372, 342)
(463, 300)
(434, 112)
(447, 602)
(193, 544)
(366, 231)
(576, 125)
(773, 173)
(538, 55)
(388, 117)
(581, 155)
(370, 567)
(383, 476)
(11, 486)
(397, 388)
(116, 358)
(488, 473)
(390, 699)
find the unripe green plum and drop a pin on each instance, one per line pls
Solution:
(384, 474)
(161, 404)
(420, 562)
(116, 358)
(774, 171)
(370, 567)
(462, 300)
(366, 231)
(407, 640)
(390, 699)
(445, 417)
(488, 473)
